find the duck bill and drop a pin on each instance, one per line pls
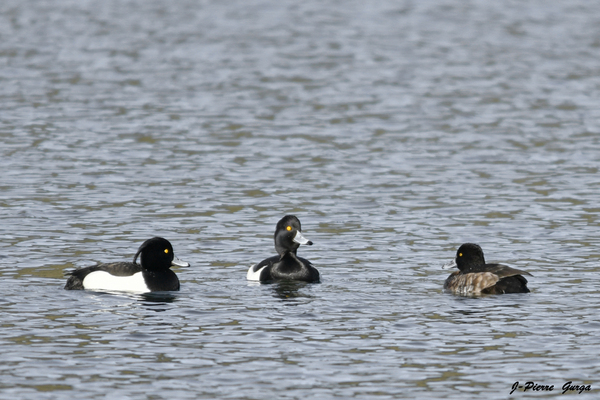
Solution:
(451, 264)
(178, 263)
(301, 239)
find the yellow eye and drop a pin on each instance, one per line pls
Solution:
(166, 251)
(289, 228)
(460, 254)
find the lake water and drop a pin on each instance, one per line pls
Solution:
(395, 131)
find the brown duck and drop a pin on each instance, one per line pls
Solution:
(476, 277)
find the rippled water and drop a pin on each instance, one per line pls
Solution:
(395, 131)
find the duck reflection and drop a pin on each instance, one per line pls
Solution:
(290, 291)
(155, 300)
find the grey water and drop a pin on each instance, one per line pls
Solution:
(395, 131)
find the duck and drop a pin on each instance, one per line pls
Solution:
(475, 277)
(152, 274)
(286, 265)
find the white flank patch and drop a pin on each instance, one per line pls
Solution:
(102, 280)
(252, 275)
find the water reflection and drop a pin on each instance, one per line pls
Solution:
(159, 297)
(156, 301)
(290, 291)
(111, 300)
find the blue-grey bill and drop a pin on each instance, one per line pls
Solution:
(178, 263)
(301, 239)
(451, 264)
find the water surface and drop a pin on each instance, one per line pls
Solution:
(395, 131)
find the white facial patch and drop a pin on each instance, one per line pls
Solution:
(102, 280)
